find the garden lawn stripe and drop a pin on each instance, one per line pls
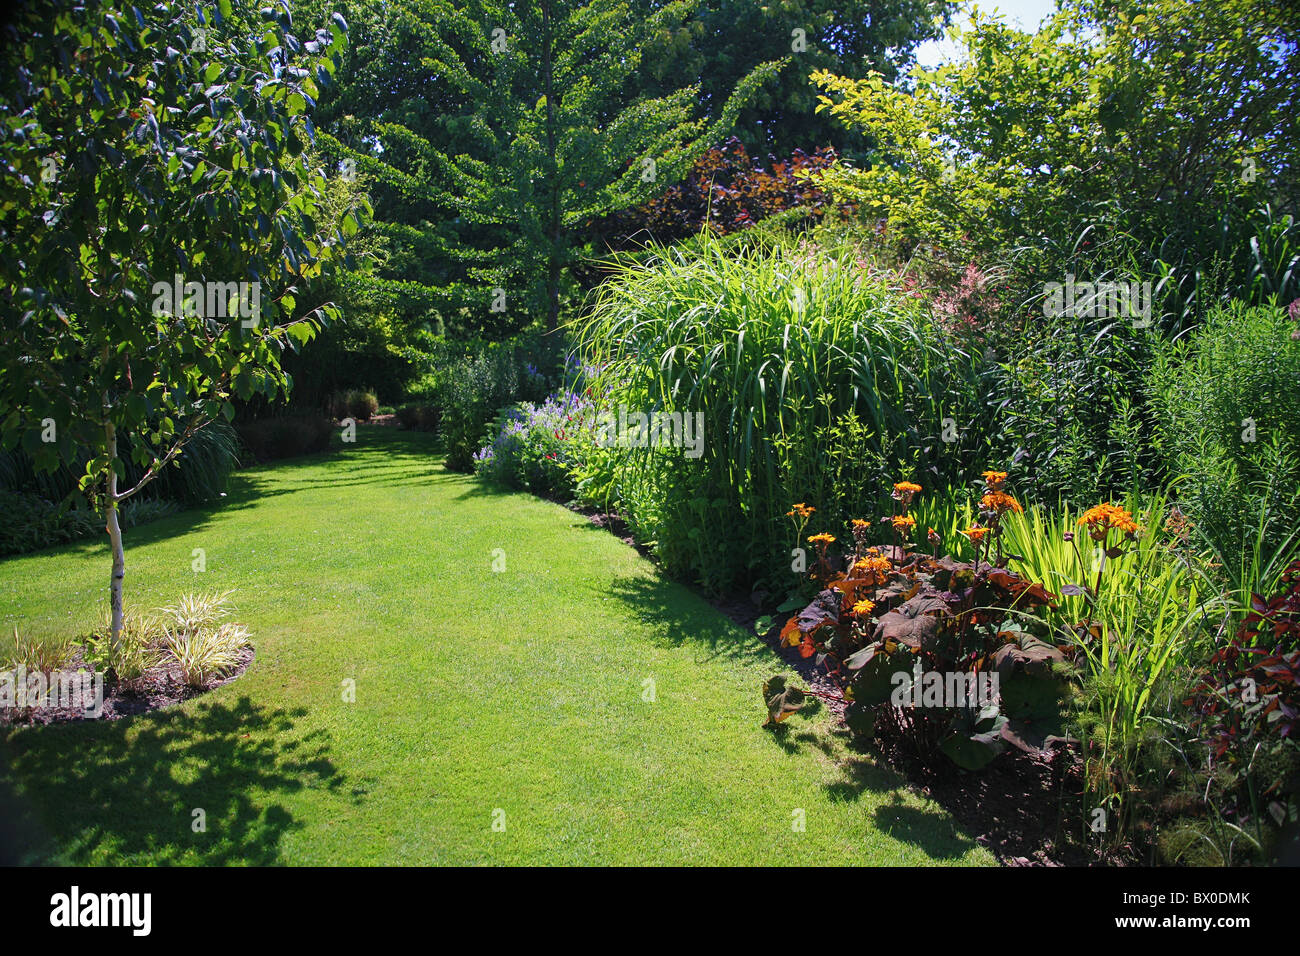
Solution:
(476, 691)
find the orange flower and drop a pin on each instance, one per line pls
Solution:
(1000, 503)
(975, 533)
(822, 540)
(1101, 518)
(994, 479)
(876, 567)
(800, 510)
(863, 608)
(861, 523)
(903, 523)
(903, 491)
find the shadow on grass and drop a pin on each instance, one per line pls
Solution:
(929, 829)
(93, 792)
(679, 616)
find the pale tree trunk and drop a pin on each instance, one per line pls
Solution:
(115, 537)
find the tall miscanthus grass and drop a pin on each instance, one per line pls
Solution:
(777, 343)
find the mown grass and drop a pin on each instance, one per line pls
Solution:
(520, 690)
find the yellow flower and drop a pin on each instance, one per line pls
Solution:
(976, 533)
(903, 523)
(861, 523)
(863, 608)
(800, 510)
(822, 540)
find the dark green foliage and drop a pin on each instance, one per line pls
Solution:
(1072, 409)
(418, 417)
(286, 436)
(503, 129)
(200, 473)
(478, 386)
(32, 522)
(724, 39)
(355, 403)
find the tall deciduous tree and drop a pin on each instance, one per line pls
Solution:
(724, 39)
(1160, 118)
(157, 222)
(504, 130)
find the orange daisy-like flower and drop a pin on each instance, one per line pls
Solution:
(863, 608)
(994, 479)
(1099, 519)
(1000, 502)
(822, 540)
(873, 565)
(875, 570)
(903, 491)
(903, 523)
(976, 533)
(800, 510)
(861, 523)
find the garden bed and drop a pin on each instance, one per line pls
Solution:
(1008, 806)
(163, 686)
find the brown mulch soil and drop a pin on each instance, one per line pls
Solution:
(161, 687)
(1011, 806)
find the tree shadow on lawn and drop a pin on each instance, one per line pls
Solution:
(100, 791)
(678, 616)
(929, 828)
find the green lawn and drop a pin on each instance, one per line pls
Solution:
(476, 691)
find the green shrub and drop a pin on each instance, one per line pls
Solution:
(201, 472)
(1227, 421)
(785, 351)
(355, 403)
(419, 417)
(31, 523)
(286, 436)
(477, 388)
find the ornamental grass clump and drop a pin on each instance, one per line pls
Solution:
(814, 377)
(199, 639)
